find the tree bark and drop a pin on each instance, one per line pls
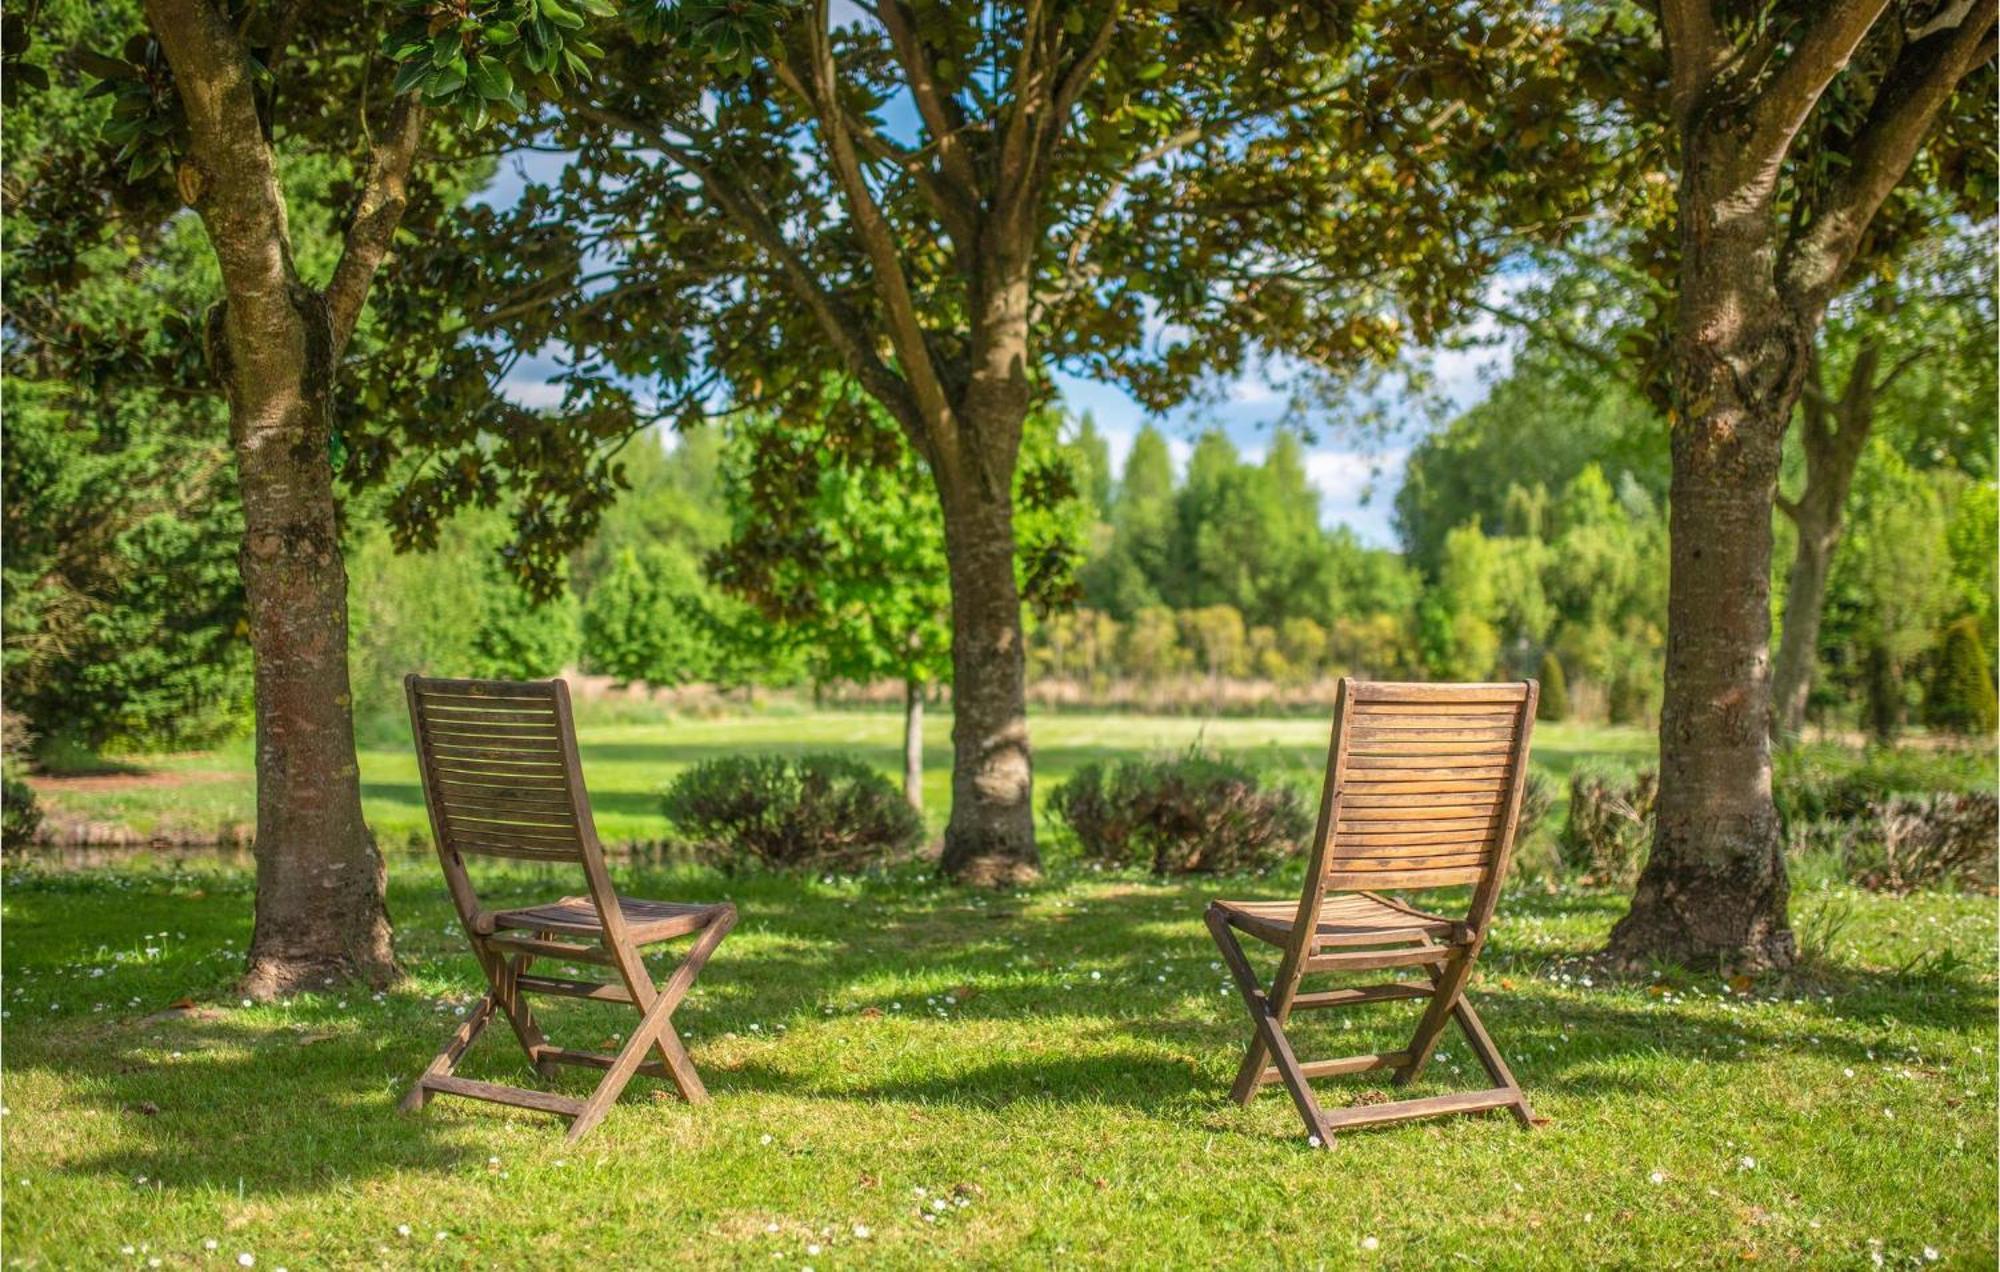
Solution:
(321, 915)
(990, 839)
(1714, 891)
(913, 743)
(273, 344)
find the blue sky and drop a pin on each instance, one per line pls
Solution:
(1357, 482)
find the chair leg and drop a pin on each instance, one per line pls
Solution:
(654, 1024)
(1489, 1059)
(447, 1058)
(503, 972)
(1447, 983)
(1270, 1032)
(655, 1030)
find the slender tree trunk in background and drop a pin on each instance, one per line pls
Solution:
(991, 836)
(273, 344)
(913, 743)
(1832, 434)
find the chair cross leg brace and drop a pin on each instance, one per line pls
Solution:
(1270, 1035)
(505, 996)
(1270, 1011)
(1476, 1037)
(655, 1029)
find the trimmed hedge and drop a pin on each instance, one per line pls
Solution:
(810, 812)
(1191, 814)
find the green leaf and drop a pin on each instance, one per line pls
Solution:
(443, 83)
(562, 17)
(411, 74)
(501, 34)
(491, 78)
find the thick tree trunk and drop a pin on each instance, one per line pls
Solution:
(320, 915)
(913, 743)
(991, 836)
(272, 344)
(1714, 891)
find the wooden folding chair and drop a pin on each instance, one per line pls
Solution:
(1423, 785)
(501, 778)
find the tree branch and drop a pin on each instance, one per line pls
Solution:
(1822, 53)
(940, 113)
(1923, 78)
(843, 328)
(380, 211)
(878, 239)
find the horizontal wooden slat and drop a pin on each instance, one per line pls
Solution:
(567, 951)
(1342, 878)
(1365, 815)
(1365, 829)
(1369, 845)
(1372, 712)
(486, 786)
(452, 727)
(1414, 768)
(1445, 730)
(493, 1092)
(510, 758)
(486, 806)
(537, 825)
(473, 771)
(520, 852)
(1459, 855)
(548, 743)
(1360, 994)
(1403, 1110)
(597, 990)
(1345, 1064)
(1359, 747)
(497, 715)
(1373, 960)
(1356, 801)
(598, 1060)
(1382, 692)
(1371, 785)
(549, 839)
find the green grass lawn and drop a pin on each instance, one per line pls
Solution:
(628, 763)
(911, 1075)
(1050, 1064)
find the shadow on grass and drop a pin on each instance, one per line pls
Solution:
(275, 1109)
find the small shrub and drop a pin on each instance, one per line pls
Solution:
(816, 812)
(1932, 840)
(1554, 701)
(1960, 696)
(1191, 814)
(1610, 827)
(1815, 783)
(20, 813)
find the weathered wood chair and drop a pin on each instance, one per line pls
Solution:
(501, 779)
(1423, 786)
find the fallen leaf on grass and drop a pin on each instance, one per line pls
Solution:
(145, 1107)
(318, 1035)
(870, 1013)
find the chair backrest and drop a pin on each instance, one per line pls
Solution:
(500, 770)
(1423, 787)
